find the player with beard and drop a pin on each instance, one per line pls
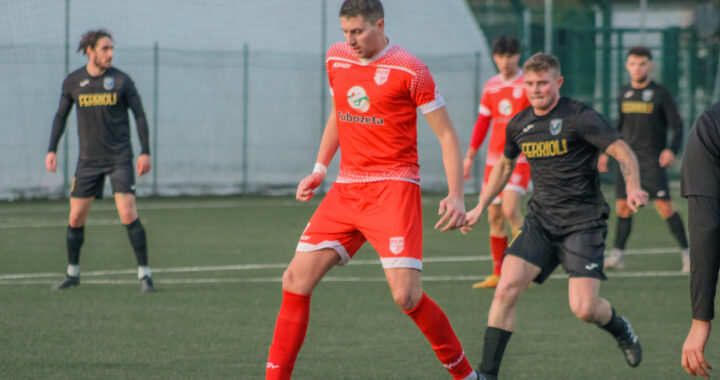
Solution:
(103, 95)
(646, 111)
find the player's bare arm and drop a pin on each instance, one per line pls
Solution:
(452, 208)
(328, 147)
(51, 162)
(620, 151)
(499, 177)
(693, 357)
(667, 158)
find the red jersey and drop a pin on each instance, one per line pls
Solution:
(500, 101)
(376, 101)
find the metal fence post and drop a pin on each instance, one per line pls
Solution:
(245, 108)
(156, 89)
(66, 143)
(476, 95)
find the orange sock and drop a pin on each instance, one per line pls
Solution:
(433, 322)
(290, 329)
(497, 248)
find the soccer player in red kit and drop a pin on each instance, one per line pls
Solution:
(376, 88)
(502, 98)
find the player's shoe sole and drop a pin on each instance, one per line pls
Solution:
(489, 283)
(66, 283)
(630, 345)
(147, 285)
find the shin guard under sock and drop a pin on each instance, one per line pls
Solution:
(498, 245)
(75, 239)
(433, 322)
(493, 350)
(290, 330)
(136, 234)
(678, 230)
(622, 231)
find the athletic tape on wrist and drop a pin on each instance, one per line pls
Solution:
(320, 168)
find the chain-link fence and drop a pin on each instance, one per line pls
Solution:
(224, 119)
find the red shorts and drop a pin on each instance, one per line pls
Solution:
(388, 214)
(519, 180)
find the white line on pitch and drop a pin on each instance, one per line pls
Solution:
(450, 259)
(181, 281)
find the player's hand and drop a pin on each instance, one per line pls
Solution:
(307, 185)
(51, 162)
(452, 210)
(693, 358)
(636, 198)
(667, 158)
(467, 165)
(603, 163)
(473, 216)
(143, 164)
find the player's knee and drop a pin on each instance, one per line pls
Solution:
(584, 311)
(623, 210)
(289, 280)
(495, 219)
(77, 220)
(665, 209)
(405, 299)
(507, 293)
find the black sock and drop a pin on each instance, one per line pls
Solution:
(495, 341)
(622, 231)
(75, 239)
(678, 229)
(616, 326)
(136, 234)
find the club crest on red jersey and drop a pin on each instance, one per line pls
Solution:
(381, 75)
(397, 244)
(518, 92)
(358, 99)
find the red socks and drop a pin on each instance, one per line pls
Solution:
(497, 248)
(290, 329)
(431, 320)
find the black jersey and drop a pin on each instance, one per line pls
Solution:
(102, 114)
(645, 115)
(701, 163)
(562, 149)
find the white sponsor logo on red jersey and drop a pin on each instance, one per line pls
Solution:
(358, 99)
(505, 107)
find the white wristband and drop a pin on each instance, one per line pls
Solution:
(320, 168)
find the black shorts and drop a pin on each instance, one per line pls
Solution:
(89, 178)
(653, 179)
(704, 228)
(581, 253)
